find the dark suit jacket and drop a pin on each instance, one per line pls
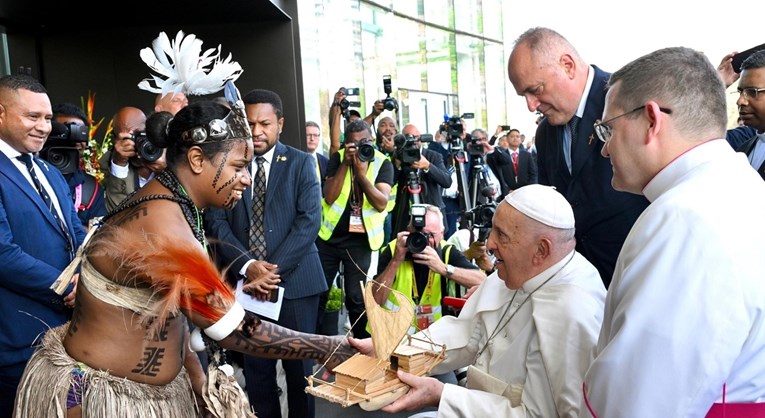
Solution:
(323, 162)
(33, 252)
(292, 220)
(737, 136)
(436, 147)
(747, 148)
(435, 180)
(116, 189)
(501, 162)
(431, 183)
(603, 215)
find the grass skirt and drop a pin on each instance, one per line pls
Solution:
(48, 377)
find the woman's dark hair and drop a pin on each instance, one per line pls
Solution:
(166, 131)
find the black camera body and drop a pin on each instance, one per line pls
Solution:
(481, 215)
(365, 152)
(389, 103)
(454, 129)
(345, 103)
(474, 148)
(145, 148)
(417, 240)
(407, 150)
(60, 149)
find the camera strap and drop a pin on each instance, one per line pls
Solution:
(85, 192)
(355, 222)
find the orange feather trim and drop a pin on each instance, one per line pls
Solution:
(180, 272)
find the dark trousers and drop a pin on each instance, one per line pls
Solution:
(9, 382)
(451, 216)
(356, 263)
(260, 374)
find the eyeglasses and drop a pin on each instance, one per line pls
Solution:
(312, 135)
(749, 92)
(604, 130)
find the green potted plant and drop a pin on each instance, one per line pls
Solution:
(332, 311)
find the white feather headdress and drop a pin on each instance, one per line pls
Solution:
(182, 67)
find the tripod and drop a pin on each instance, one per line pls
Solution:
(408, 194)
(480, 182)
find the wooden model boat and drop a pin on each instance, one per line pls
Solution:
(371, 382)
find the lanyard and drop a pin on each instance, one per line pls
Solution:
(415, 292)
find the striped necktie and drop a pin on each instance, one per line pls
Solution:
(47, 201)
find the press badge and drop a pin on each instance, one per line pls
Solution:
(424, 316)
(356, 224)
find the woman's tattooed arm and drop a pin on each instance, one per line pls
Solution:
(268, 340)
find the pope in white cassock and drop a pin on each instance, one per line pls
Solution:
(529, 330)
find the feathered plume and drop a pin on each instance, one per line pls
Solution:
(182, 67)
(180, 273)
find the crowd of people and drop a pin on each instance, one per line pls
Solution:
(603, 273)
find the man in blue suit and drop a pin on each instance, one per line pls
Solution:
(313, 147)
(34, 246)
(290, 221)
(548, 72)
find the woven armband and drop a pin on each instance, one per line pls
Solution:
(227, 324)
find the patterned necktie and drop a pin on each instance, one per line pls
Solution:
(27, 160)
(257, 231)
(569, 139)
(515, 162)
(574, 122)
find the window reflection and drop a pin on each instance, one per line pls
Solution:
(443, 55)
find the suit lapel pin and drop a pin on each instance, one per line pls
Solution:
(281, 158)
(592, 136)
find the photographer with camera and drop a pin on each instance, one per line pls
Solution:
(419, 264)
(420, 175)
(354, 207)
(341, 109)
(63, 149)
(133, 160)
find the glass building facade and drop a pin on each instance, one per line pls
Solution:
(445, 57)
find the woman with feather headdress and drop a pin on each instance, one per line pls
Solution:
(145, 270)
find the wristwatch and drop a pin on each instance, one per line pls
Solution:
(449, 270)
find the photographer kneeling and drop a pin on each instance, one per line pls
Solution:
(419, 264)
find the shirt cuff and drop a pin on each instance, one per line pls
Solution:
(119, 171)
(243, 271)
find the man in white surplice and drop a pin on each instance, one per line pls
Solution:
(529, 330)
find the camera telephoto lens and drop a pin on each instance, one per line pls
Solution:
(149, 151)
(366, 152)
(416, 242)
(65, 159)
